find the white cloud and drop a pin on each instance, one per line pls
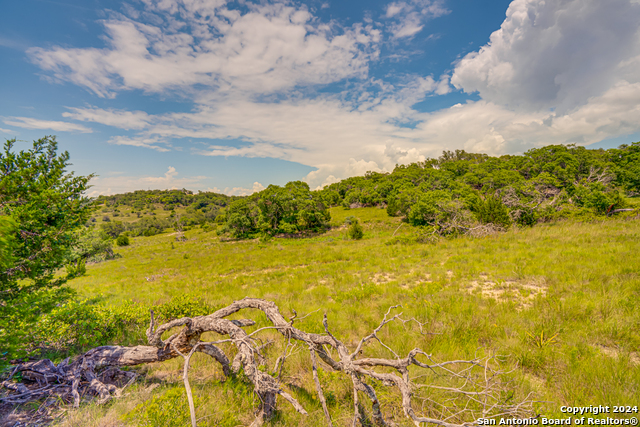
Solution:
(121, 119)
(31, 123)
(409, 17)
(116, 183)
(341, 141)
(443, 86)
(557, 71)
(6, 131)
(141, 141)
(239, 191)
(269, 48)
(554, 54)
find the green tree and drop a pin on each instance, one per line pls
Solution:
(46, 205)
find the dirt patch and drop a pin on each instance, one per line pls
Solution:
(523, 294)
(380, 278)
(614, 353)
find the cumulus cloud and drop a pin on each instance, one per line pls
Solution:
(554, 54)
(31, 123)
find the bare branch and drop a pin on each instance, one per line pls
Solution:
(473, 388)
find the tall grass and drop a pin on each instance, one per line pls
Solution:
(509, 293)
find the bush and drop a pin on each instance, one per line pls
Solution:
(122, 240)
(113, 229)
(355, 231)
(491, 210)
(183, 306)
(92, 245)
(76, 269)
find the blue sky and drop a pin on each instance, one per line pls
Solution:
(234, 96)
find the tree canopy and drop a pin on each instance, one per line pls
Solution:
(41, 205)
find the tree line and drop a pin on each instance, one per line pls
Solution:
(543, 184)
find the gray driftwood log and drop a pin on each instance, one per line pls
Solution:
(97, 370)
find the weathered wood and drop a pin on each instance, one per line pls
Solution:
(92, 371)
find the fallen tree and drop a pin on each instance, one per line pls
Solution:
(477, 389)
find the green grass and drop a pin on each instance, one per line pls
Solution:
(508, 293)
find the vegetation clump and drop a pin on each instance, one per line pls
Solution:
(355, 230)
(122, 240)
(277, 210)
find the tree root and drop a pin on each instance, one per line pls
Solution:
(476, 390)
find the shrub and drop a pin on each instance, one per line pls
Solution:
(76, 269)
(92, 245)
(122, 240)
(183, 306)
(113, 229)
(491, 210)
(355, 230)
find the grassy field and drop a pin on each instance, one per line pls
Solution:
(508, 293)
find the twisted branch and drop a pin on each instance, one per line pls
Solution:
(94, 372)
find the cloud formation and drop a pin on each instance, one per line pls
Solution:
(240, 191)
(554, 54)
(31, 123)
(270, 48)
(557, 71)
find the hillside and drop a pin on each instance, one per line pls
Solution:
(524, 265)
(558, 300)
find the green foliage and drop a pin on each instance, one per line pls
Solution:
(47, 205)
(112, 228)
(290, 209)
(7, 241)
(92, 245)
(183, 306)
(355, 230)
(491, 210)
(76, 324)
(544, 184)
(541, 340)
(430, 208)
(122, 240)
(206, 203)
(595, 196)
(76, 269)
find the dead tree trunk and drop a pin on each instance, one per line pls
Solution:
(97, 370)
